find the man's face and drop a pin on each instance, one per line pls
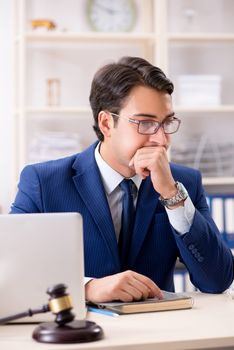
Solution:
(123, 139)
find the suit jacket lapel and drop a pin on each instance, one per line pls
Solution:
(146, 206)
(89, 185)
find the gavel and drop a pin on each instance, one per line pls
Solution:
(65, 329)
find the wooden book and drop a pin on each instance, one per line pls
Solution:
(170, 301)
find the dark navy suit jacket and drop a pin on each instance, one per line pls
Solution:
(73, 184)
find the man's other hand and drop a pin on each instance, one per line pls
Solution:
(125, 286)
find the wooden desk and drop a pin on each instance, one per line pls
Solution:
(210, 324)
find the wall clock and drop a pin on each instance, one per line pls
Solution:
(111, 15)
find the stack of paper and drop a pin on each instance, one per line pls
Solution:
(199, 90)
(212, 157)
(52, 145)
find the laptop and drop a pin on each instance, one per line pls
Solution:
(38, 251)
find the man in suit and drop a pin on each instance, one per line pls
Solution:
(168, 215)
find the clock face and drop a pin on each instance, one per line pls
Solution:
(111, 15)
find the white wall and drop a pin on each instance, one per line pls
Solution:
(6, 142)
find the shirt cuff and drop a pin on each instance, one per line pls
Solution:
(87, 279)
(181, 218)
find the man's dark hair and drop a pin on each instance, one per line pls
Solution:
(113, 83)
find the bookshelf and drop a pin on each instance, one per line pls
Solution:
(174, 35)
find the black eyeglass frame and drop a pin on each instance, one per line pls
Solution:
(158, 125)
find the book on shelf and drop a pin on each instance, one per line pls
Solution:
(222, 212)
(170, 301)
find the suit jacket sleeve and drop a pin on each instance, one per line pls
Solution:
(28, 198)
(206, 256)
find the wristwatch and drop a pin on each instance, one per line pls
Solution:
(180, 196)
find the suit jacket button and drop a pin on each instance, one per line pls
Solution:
(191, 246)
(200, 259)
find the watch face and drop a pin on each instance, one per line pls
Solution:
(111, 15)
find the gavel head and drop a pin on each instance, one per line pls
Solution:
(60, 304)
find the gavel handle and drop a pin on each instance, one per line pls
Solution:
(28, 313)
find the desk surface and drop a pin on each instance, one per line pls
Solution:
(210, 324)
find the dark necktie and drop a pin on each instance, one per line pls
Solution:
(127, 222)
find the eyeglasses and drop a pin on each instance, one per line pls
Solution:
(149, 127)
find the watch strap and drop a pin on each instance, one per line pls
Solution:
(180, 196)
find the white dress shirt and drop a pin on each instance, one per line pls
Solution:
(180, 218)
